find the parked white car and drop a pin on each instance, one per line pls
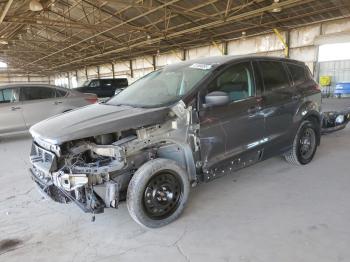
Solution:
(23, 105)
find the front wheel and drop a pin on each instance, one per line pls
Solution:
(157, 193)
(304, 144)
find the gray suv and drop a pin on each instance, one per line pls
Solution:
(175, 128)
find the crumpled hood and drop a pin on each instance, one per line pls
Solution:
(95, 120)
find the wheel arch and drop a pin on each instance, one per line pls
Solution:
(182, 154)
(316, 119)
(310, 111)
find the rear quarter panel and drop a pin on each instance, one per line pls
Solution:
(73, 101)
(309, 107)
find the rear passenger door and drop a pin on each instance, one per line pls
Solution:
(11, 119)
(39, 103)
(279, 104)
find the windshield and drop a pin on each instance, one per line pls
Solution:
(162, 87)
(86, 83)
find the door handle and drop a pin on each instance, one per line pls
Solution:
(57, 102)
(14, 108)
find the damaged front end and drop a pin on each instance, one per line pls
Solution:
(94, 172)
(334, 120)
(81, 174)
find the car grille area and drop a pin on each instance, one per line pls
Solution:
(42, 159)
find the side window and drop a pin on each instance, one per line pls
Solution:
(298, 73)
(121, 82)
(106, 83)
(7, 96)
(37, 92)
(274, 75)
(94, 83)
(237, 81)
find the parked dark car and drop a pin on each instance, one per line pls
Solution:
(177, 127)
(106, 87)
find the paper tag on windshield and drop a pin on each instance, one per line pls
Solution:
(201, 66)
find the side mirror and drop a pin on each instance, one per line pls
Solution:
(216, 98)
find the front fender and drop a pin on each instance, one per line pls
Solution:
(182, 154)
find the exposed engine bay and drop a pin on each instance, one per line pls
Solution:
(95, 172)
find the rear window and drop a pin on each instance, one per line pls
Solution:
(298, 73)
(121, 81)
(274, 75)
(37, 92)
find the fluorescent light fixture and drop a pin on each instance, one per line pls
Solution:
(275, 7)
(3, 65)
(35, 6)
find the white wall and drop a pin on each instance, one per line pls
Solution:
(8, 78)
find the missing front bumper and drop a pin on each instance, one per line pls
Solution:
(89, 202)
(334, 121)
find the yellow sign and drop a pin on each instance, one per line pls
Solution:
(325, 80)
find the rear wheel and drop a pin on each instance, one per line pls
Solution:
(157, 193)
(304, 144)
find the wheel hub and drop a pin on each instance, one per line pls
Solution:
(307, 142)
(162, 195)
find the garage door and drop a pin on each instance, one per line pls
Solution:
(339, 70)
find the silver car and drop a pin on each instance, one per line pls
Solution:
(23, 105)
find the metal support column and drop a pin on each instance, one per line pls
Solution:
(131, 70)
(69, 85)
(284, 41)
(113, 72)
(154, 62)
(98, 71)
(225, 47)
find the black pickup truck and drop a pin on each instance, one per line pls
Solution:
(105, 87)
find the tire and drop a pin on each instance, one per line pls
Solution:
(298, 155)
(157, 193)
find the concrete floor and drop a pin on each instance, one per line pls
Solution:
(268, 212)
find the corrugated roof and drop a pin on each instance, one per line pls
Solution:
(71, 34)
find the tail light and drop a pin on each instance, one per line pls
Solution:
(316, 86)
(92, 100)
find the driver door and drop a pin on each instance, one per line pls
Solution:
(232, 133)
